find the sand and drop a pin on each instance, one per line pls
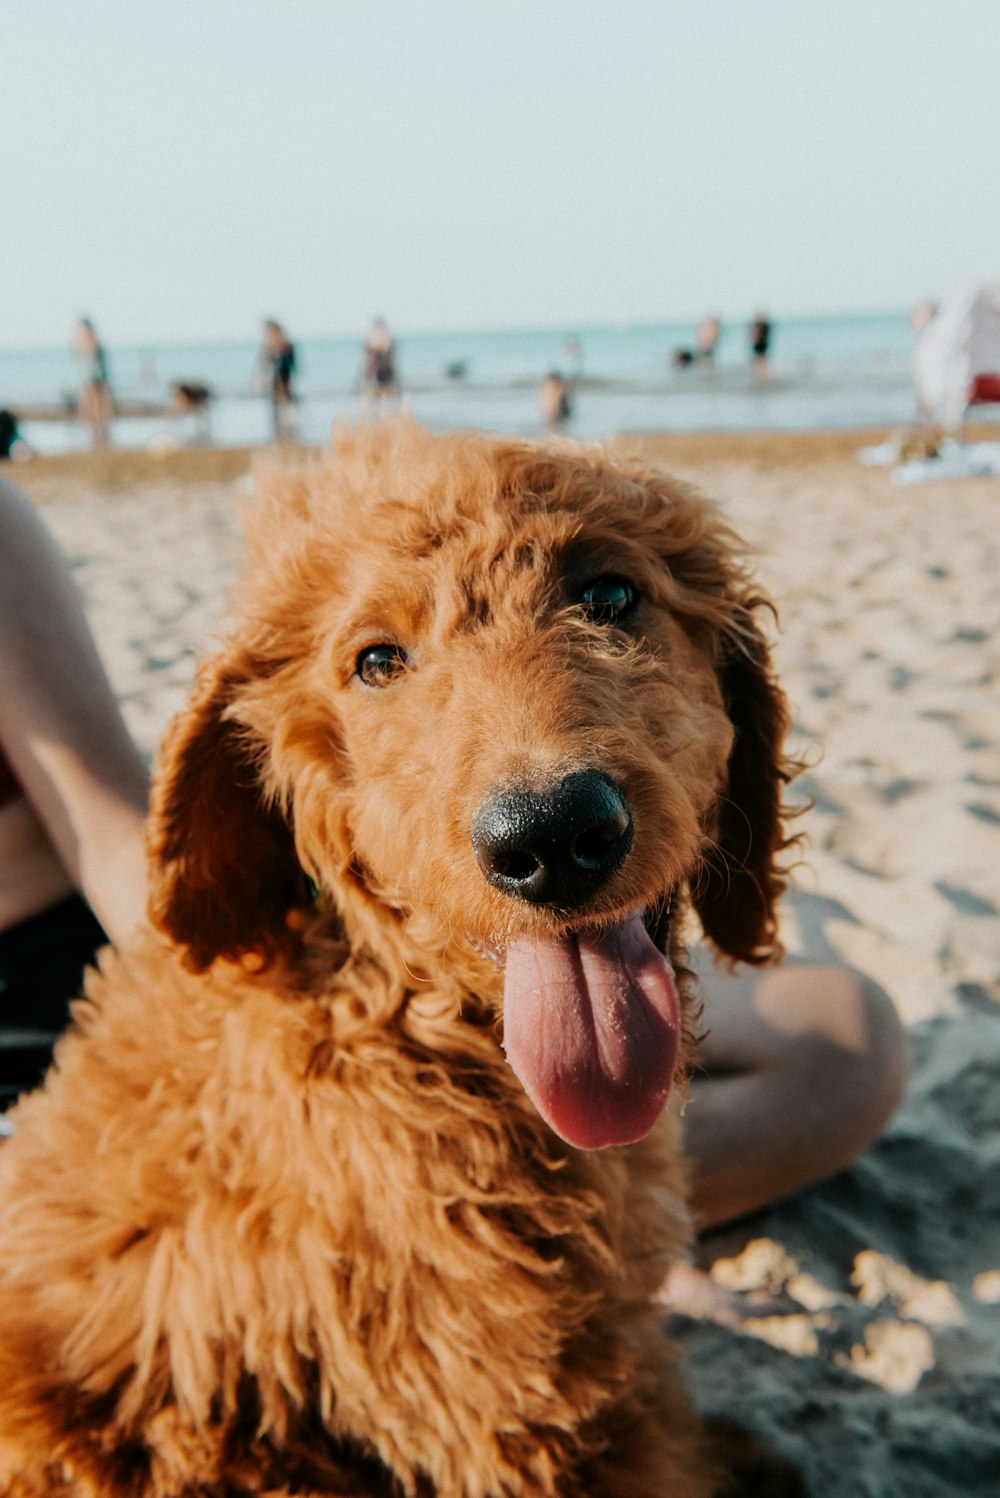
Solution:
(882, 1375)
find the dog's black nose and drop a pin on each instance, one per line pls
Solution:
(555, 846)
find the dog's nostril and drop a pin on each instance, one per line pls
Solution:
(514, 865)
(592, 846)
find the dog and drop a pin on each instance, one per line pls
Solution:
(359, 1173)
(187, 396)
(191, 398)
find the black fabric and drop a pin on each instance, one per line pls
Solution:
(42, 961)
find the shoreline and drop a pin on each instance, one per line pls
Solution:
(217, 463)
(786, 448)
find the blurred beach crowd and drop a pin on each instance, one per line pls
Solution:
(754, 374)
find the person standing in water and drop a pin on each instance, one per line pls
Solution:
(279, 361)
(379, 370)
(95, 404)
(759, 336)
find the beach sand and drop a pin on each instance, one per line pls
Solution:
(882, 1377)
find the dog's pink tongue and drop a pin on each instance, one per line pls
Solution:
(592, 1029)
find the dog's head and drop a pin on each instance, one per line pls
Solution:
(486, 696)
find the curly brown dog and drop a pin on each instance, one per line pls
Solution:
(359, 1176)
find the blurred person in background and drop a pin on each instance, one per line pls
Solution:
(12, 444)
(706, 340)
(96, 403)
(759, 336)
(278, 360)
(73, 794)
(379, 368)
(555, 406)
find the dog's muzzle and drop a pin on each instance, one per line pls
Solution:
(555, 846)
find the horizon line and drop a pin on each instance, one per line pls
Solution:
(564, 329)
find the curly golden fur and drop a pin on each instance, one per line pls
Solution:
(282, 1218)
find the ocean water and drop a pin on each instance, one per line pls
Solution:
(826, 372)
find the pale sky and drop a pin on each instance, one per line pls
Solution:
(181, 169)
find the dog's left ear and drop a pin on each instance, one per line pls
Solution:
(739, 886)
(224, 876)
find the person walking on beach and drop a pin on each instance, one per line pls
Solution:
(279, 361)
(95, 404)
(73, 794)
(379, 369)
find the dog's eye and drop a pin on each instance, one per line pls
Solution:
(380, 665)
(607, 599)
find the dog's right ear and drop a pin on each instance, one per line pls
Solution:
(224, 876)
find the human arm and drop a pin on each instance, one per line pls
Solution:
(60, 727)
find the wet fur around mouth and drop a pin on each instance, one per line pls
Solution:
(282, 1218)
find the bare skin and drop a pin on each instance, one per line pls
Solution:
(802, 1066)
(78, 823)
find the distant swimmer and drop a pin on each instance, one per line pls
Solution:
(706, 340)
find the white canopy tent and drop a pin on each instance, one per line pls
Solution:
(957, 348)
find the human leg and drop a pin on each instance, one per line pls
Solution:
(801, 1067)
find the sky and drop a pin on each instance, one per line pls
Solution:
(180, 170)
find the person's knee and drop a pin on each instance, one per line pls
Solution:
(883, 1070)
(807, 1066)
(869, 1054)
